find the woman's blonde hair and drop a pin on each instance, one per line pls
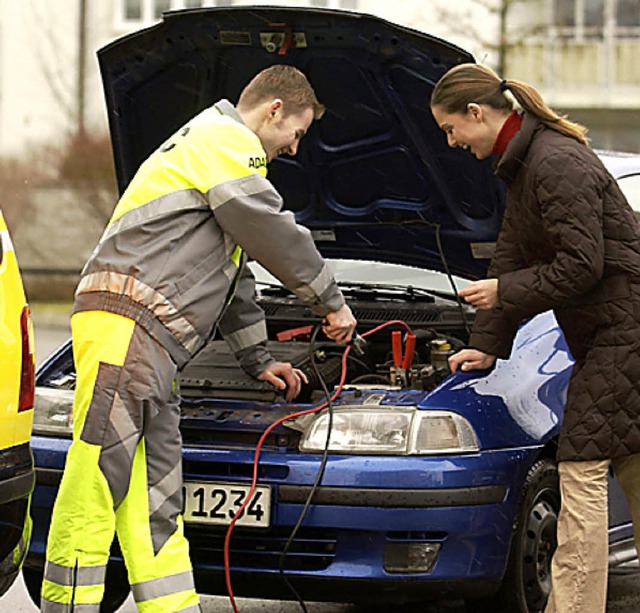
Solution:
(468, 83)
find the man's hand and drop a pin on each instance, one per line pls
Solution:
(340, 325)
(283, 376)
(482, 294)
(471, 359)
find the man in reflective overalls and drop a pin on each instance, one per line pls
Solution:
(167, 274)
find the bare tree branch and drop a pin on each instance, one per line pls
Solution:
(56, 66)
(461, 22)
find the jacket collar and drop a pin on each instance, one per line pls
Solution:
(226, 108)
(508, 165)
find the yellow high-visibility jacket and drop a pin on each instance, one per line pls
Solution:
(172, 255)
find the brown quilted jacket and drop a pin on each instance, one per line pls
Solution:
(570, 242)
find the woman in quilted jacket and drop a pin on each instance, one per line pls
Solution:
(569, 242)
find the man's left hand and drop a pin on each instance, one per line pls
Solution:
(285, 377)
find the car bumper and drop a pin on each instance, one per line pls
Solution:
(367, 507)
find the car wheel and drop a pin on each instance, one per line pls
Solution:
(527, 582)
(116, 587)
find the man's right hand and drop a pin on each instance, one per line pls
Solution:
(339, 325)
(471, 359)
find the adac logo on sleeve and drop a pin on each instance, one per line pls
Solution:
(257, 162)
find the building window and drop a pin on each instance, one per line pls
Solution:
(335, 4)
(564, 13)
(159, 7)
(132, 10)
(135, 13)
(579, 18)
(628, 14)
(590, 19)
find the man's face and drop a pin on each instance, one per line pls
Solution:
(280, 133)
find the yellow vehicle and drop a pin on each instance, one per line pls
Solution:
(17, 387)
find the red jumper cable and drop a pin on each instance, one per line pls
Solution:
(408, 357)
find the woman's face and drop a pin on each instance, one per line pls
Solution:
(469, 130)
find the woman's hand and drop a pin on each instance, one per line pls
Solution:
(482, 294)
(471, 359)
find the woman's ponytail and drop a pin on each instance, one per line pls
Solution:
(530, 99)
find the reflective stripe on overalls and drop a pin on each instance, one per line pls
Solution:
(123, 473)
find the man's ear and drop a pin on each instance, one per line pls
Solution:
(275, 108)
(475, 111)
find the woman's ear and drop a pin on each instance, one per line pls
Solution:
(475, 111)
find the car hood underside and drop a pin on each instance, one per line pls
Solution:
(374, 178)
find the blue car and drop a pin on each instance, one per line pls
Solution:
(411, 484)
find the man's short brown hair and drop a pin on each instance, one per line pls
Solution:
(284, 82)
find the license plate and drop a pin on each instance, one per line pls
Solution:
(218, 503)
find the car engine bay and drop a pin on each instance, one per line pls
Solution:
(439, 323)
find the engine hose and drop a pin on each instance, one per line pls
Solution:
(265, 434)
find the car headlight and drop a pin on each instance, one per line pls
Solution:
(53, 412)
(390, 431)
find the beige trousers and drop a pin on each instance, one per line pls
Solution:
(580, 563)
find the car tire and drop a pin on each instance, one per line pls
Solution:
(116, 587)
(526, 585)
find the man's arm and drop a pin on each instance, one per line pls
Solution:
(244, 328)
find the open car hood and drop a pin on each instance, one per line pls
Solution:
(374, 179)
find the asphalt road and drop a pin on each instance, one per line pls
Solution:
(51, 329)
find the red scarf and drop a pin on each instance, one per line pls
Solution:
(509, 129)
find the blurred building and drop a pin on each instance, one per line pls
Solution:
(584, 56)
(586, 61)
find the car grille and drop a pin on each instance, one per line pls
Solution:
(368, 314)
(311, 550)
(194, 469)
(412, 316)
(210, 437)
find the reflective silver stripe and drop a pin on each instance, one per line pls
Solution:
(5, 241)
(162, 586)
(64, 575)
(167, 203)
(247, 337)
(117, 283)
(226, 108)
(123, 424)
(164, 489)
(310, 293)
(193, 609)
(237, 188)
(48, 606)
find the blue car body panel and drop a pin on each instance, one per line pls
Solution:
(472, 523)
